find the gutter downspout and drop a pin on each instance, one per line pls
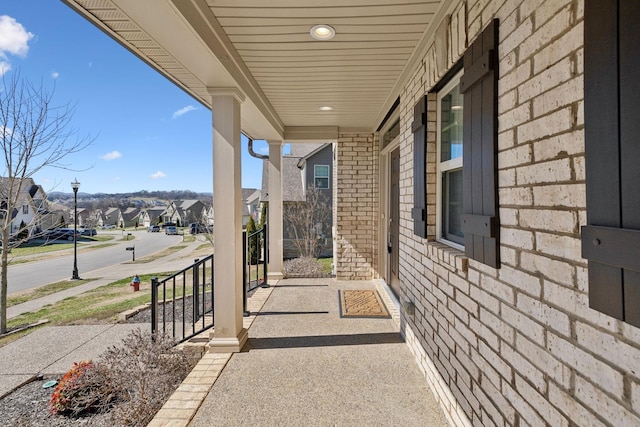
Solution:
(253, 153)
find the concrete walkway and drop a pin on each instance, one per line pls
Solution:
(305, 365)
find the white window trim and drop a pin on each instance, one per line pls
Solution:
(444, 166)
(315, 177)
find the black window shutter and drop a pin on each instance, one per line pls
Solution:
(479, 84)
(419, 128)
(611, 238)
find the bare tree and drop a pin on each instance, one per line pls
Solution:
(34, 134)
(308, 221)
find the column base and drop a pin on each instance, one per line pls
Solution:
(229, 344)
(273, 278)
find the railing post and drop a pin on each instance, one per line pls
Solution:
(265, 230)
(245, 312)
(196, 290)
(154, 306)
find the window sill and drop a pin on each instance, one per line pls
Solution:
(443, 254)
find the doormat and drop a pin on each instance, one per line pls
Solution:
(362, 303)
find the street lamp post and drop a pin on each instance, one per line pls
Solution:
(75, 185)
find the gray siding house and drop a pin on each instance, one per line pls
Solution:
(307, 166)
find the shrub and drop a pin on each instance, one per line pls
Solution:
(131, 381)
(83, 389)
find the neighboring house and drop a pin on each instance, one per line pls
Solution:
(486, 178)
(85, 217)
(131, 217)
(306, 166)
(113, 216)
(250, 205)
(207, 215)
(172, 214)
(190, 211)
(151, 216)
(31, 209)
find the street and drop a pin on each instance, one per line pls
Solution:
(60, 267)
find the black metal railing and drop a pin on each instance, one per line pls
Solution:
(182, 304)
(254, 259)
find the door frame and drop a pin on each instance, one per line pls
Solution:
(384, 260)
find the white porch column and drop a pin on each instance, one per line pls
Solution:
(228, 335)
(275, 267)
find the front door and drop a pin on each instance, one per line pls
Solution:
(394, 222)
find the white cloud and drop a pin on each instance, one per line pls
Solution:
(183, 111)
(263, 150)
(112, 155)
(4, 67)
(158, 175)
(14, 40)
(116, 179)
(55, 75)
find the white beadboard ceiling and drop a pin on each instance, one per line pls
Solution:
(263, 47)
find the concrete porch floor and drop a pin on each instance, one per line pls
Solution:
(305, 365)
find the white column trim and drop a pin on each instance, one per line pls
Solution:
(275, 220)
(227, 91)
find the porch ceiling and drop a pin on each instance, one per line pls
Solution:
(264, 48)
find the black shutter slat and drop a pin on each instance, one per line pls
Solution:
(629, 40)
(611, 239)
(616, 247)
(479, 225)
(629, 122)
(480, 202)
(631, 297)
(601, 147)
(606, 299)
(419, 127)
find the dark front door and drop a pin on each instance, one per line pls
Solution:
(394, 222)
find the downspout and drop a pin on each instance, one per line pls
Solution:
(253, 153)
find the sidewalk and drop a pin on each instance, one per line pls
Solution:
(306, 365)
(53, 349)
(173, 262)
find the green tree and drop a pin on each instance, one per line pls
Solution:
(253, 243)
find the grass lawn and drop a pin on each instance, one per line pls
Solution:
(100, 305)
(326, 264)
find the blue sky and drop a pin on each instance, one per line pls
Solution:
(149, 134)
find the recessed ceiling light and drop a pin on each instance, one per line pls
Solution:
(326, 108)
(322, 32)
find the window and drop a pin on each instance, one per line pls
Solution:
(25, 209)
(321, 176)
(391, 133)
(449, 164)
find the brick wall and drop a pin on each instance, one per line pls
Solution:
(356, 212)
(516, 346)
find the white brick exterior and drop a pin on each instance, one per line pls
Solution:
(519, 345)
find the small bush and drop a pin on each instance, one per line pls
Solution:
(82, 390)
(302, 266)
(131, 381)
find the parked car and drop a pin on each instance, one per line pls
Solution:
(87, 231)
(153, 229)
(61, 234)
(171, 229)
(108, 226)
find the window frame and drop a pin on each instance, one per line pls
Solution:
(316, 177)
(443, 167)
